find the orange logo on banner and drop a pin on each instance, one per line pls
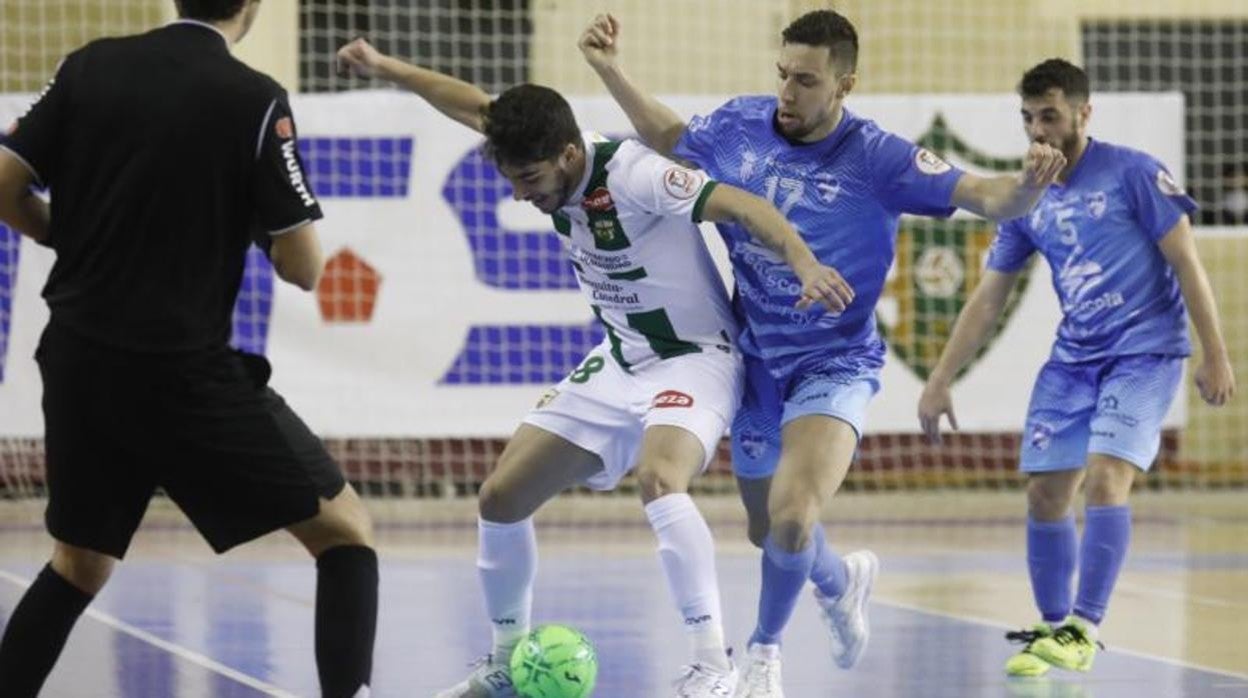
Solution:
(348, 289)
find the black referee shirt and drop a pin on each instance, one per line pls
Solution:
(163, 154)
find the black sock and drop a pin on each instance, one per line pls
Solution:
(346, 619)
(37, 631)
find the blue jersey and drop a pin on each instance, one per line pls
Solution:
(844, 194)
(1099, 233)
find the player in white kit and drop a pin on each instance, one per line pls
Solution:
(658, 393)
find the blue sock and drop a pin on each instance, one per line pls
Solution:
(1051, 560)
(828, 573)
(1106, 534)
(784, 574)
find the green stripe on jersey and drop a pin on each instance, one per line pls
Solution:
(605, 225)
(702, 197)
(657, 328)
(563, 224)
(616, 351)
(630, 275)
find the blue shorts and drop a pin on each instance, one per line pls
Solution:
(839, 387)
(1109, 406)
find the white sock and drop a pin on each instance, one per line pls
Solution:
(687, 553)
(507, 563)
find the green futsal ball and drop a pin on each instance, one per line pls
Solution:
(554, 661)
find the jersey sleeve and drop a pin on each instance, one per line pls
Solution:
(1158, 201)
(36, 135)
(281, 189)
(910, 179)
(1011, 248)
(702, 136)
(661, 187)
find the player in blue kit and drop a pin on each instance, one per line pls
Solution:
(1116, 231)
(844, 183)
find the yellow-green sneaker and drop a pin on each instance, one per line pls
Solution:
(1026, 663)
(1069, 647)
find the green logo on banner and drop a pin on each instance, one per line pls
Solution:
(938, 264)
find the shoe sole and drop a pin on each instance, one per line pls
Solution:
(873, 568)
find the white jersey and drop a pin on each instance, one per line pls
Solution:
(632, 234)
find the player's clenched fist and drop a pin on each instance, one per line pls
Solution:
(1042, 165)
(359, 57)
(825, 286)
(598, 41)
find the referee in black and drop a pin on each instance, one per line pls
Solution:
(165, 157)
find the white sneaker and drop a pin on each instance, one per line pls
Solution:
(846, 615)
(489, 679)
(702, 681)
(761, 677)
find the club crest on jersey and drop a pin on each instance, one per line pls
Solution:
(930, 163)
(604, 230)
(672, 398)
(1167, 185)
(682, 183)
(938, 262)
(829, 187)
(1097, 204)
(598, 201)
(284, 128)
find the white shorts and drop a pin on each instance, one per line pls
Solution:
(604, 409)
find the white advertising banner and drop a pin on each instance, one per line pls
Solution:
(447, 309)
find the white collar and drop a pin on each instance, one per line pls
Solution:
(198, 23)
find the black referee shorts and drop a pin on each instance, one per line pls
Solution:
(205, 428)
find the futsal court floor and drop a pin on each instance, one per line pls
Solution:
(177, 621)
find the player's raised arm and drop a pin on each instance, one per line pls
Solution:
(1010, 196)
(656, 123)
(19, 207)
(820, 284)
(973, 326)
(1214, 377)
(457, 99)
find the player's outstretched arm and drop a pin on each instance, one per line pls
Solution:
(659, 126)
(462, 101)
(820, 284)
(973, 326)
(1011, 196)
(1215, 378)
(19, 207)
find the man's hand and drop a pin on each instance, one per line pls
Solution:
(935, 401)
(1216, 380)
(598, 42)
(360, 58)
(1042, 165)
(824, 285)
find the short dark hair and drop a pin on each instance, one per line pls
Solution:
(1056, 73)
(209, 10)
(826, 28)
(528, 124)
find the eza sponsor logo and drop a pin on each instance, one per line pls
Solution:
(672, 398)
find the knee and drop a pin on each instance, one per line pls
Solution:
(342, 520)
(791, 521)
(1048, 499)
(86, 569)
(660, 477)
(1109, 485)
(759, 527)
(497, 502)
